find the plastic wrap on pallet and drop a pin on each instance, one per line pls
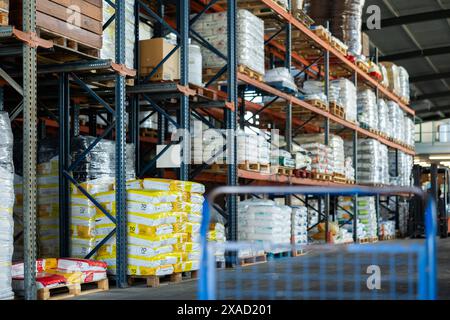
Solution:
(322, 158)
(314, 90)
(299, 225)
(396, 120)
(301, 157)
(109, 36)
(100, 160)
(281, 76)
(393, 75)
(383, 116)
(387, 228)
(400, 175)
(367, 217)
(336, 145)
(250, 39)
(6, 206)
(345, 19)
(163, 227)
(47, 202)
(367, 108)
(384, 75)
(410, 131)
(151, 120)
(372, 162)
(263, 221)
(404, 83)
(349, 170)
(343, 92)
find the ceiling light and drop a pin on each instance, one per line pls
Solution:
(440, 157)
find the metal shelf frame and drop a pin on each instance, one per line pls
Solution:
(232, 103)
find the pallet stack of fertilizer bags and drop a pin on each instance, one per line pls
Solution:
(6, 206)
(372, 162)
(263, 222)
(250, 39)
(367, 109)
(47, 202)
(367, 217)
(343, 92)
(345, 19)
(216, 233)
(299, 225)
(163, 227)
(53, 272)
(325, 159)
(384, 124)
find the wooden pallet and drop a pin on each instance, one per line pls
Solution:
(298, 253)
(249, 72)
(93, 287)
(303, 18)
(65, 291)
(264, 168)
(364, 240)
(348, 181)
(322, 176)
(68, 43)
(258, 8)
(285, 171)
(204, 92)
(4, 18)
(217, 168)
(318, 104)
(256, 167)
(152, 133)
(363, 66)
(337, 110)
(58, 292)
(336, 44)
(249, 261)
(339, 178)
(373, 239)
(323, 34)
(299, 173)
(278, 255)
(387, 238)
(157, 281)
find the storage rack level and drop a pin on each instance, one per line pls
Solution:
(179, 99)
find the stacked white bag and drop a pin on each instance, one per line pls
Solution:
(250, 39)
(300, 225)
(343, 92)
(6, 206)
(264, 222)
(367, 108)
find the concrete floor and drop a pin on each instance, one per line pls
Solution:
(282, 274)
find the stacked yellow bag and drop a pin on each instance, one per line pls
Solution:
(216, 234)
(83, 214)
(47, 207)
(163, 227)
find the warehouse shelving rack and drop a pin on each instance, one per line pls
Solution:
(167, 98)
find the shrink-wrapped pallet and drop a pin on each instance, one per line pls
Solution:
(404, 83)
(372, 162)
(345, 95)
(367, 108)
(396, 120)
(6, 206)
(300, 225)
(314, 90)
(109, 35)
(281, 77)
(264, 222)
(383, 116)
(250, 39)
(393, 75)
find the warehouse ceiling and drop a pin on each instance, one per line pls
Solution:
(416, 35)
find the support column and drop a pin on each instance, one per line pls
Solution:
(121, 234)
(184, 81)
(232, 178)
(64, 153)
(355, 165)
(29, 152)
(327, 133)
(287, 65)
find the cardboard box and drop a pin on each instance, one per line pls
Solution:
(152, 52)
(365, 42)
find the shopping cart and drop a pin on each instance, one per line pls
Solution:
(398, 270)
